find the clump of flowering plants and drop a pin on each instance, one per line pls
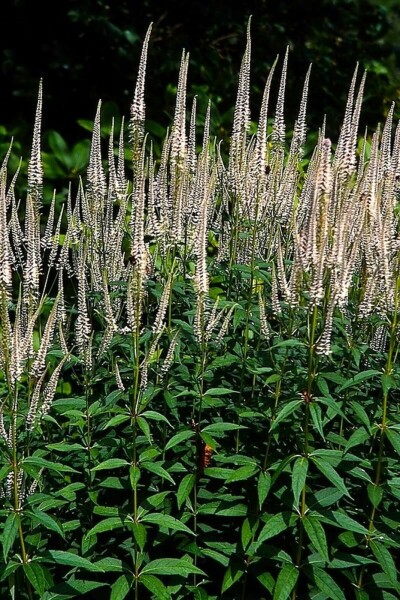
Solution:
(199, 377)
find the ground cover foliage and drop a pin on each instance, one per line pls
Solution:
(199, 374)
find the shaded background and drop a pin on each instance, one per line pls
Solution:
(89, 49)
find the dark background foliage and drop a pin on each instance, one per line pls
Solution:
(89, 49)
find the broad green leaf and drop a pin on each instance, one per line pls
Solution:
(375, 493)
(145, 427)
(242, 473)
(171, 566)
(73, 588)
(9, 533)
(157, 469)
(325, 583)
(156, 416)
(361, 415)
(110, 463)
(358, 378)
(111, 565)
(185, 488)
(394, 439)
(274, 526)
(116, 420)
(166, 521)
(106, 525)
(285, 412)
(332, 475)
(139, 533)
(247, 532)
(316, 535)
(36, 576)
(299, 476)
(38, 461)
(46, 520)
(134, 476)
(120, 589)
(285, 582)
(348, 523)
(217, 556)
(155, 586)
(182, 436)
(232, 575)
(61, 557)
(358, 437)
(220, 392)
(4, 471)
(385, 559)
(263, 487)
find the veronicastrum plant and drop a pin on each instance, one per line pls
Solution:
(199, 375)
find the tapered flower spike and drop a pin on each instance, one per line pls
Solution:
(96, 179)
(35, 168)
(241, 116)
(138, 106)
(178, 133)
(299, 133)
(5, 249)
(261, 145)
(278, 130)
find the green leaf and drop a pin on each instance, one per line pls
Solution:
(63, 447)
(36, 576)
(218, 427)
(156, 416)
(120, 589)
(185, 487)
(46, 520)
(316, 417)
(9, 534)
(155, 586)
(299, 476)
(61, 557)
(38, 461)
(4, 471)
(263, 487)
(285, 412)
(110, 463)
(358, 437)
(316, 535)
(106, 525)
(285, 582)
(348, 523)
(361, 415)
(220, 392)
(157, 469)
(358, 378)
(232, 575)
(385, 559)
(171, 566)
(394, 439)
(247, 532)
(332, 475)
(182, 436)
(242, 473)
(375, 493)
(139, 533)
(166, 521)
(274, 526)
(325, 583)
